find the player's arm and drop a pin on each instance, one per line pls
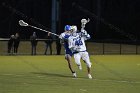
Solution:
(85, 35)
(61, 37)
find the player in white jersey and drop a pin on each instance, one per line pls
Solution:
(68, 53)
(77, 45)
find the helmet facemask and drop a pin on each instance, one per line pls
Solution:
(74, 30)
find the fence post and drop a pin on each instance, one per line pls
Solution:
(120, 49)
(136, 49)
(103, 48)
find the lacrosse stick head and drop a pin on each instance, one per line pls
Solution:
(22, 23)
(84, 21)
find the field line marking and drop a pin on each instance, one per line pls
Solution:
(121, 81)
(107, 80)
(138, 64)
(7, 74)
(84, 90)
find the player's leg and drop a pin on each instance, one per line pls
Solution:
(32, 49)
(50, 49)
(68, 58)
(9, 48)
(46, 49)
(86, 59)
(77, 58)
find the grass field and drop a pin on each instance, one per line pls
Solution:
(50, 74)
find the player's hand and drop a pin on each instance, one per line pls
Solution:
(84, 32)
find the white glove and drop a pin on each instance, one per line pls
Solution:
(84, 32)
(73, 50)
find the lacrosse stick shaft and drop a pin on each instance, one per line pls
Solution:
(22, 23)
(43, 30)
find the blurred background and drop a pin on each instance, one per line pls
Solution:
(123, 14)
(111, 21)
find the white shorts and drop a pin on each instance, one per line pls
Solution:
(84, 56)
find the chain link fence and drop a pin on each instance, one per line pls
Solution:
(92, 47)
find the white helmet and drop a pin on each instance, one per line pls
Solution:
(74, 28)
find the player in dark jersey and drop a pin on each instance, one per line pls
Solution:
(68, 53)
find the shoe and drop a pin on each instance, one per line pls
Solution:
(80, 67)
(89, 76)
(74, 74)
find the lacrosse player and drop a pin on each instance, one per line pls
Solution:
(68, 53)
(77, 45)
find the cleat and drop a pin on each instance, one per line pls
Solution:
(80, 67)
(89, 76)
(74, 74)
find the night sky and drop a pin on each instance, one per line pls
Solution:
(110, 19)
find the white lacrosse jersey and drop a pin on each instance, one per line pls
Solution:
(77, 42)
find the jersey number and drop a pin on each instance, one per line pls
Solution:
(78, 42)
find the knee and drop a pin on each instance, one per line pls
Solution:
(78, 62)
(89, 64)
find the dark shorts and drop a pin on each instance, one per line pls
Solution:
(69, 53)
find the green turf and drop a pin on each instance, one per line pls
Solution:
(50, 74)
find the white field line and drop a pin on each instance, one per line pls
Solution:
(84, 90)
(120, 81)
(19, 75)
(12, 75)
(107, 80)
(138, 64)
(7, 74)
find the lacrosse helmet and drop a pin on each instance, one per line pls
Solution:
(74, 28)
(67, 28)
